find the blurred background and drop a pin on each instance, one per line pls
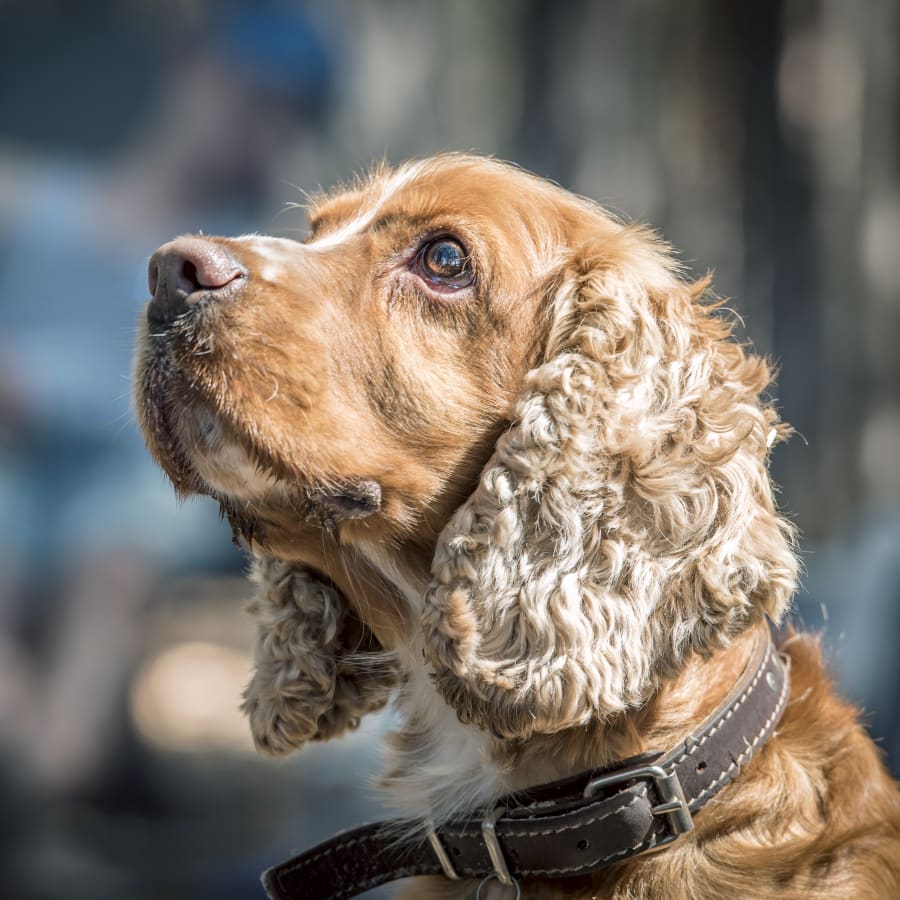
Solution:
(762, 139)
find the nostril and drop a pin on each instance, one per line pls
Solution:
(153, 278)
(202, 271)
(210, 269)
(189, 275)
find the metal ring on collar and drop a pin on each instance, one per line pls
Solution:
(513, 883)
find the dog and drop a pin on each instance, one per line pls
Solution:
(496, 457)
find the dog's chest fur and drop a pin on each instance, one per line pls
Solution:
(436, 765)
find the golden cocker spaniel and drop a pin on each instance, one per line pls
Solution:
(495, 457)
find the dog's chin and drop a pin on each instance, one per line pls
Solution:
(196, 450)
(225, 467)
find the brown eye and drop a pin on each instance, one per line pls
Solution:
(443, 262)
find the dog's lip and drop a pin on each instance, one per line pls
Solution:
(171, 452)
(162, 416)
(206, 425)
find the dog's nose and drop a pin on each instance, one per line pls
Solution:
(186, 271)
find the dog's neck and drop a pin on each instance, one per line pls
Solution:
(670, 714)
(439, 768)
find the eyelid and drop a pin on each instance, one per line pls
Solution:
(430, 235)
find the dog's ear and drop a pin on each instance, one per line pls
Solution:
(625, 520)
(318, 668)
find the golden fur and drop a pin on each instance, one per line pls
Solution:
(535, 507)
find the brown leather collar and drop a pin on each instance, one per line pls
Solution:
(570, 827)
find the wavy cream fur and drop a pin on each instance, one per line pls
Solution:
(624, 522)
(312, 680)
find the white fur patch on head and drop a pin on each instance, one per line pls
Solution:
(278, 254)
(368, 214)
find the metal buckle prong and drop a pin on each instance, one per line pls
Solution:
(495, 851)
(674, 806)
(441, 854)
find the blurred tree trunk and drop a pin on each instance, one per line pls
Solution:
(549, 150)
(781, 261)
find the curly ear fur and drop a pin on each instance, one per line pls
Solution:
(625, 521)
(318, 668)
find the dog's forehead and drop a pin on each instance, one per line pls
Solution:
(434, 189)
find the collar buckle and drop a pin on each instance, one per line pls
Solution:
(674, 806)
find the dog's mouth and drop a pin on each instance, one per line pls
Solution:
(160, 414)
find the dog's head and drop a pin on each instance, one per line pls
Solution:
(471, 415)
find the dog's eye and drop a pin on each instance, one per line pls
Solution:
(443, 262)
(445, 258)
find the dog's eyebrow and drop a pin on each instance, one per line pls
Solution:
(324, 222)
(393, 217)
(319, 222)
(328, 215)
